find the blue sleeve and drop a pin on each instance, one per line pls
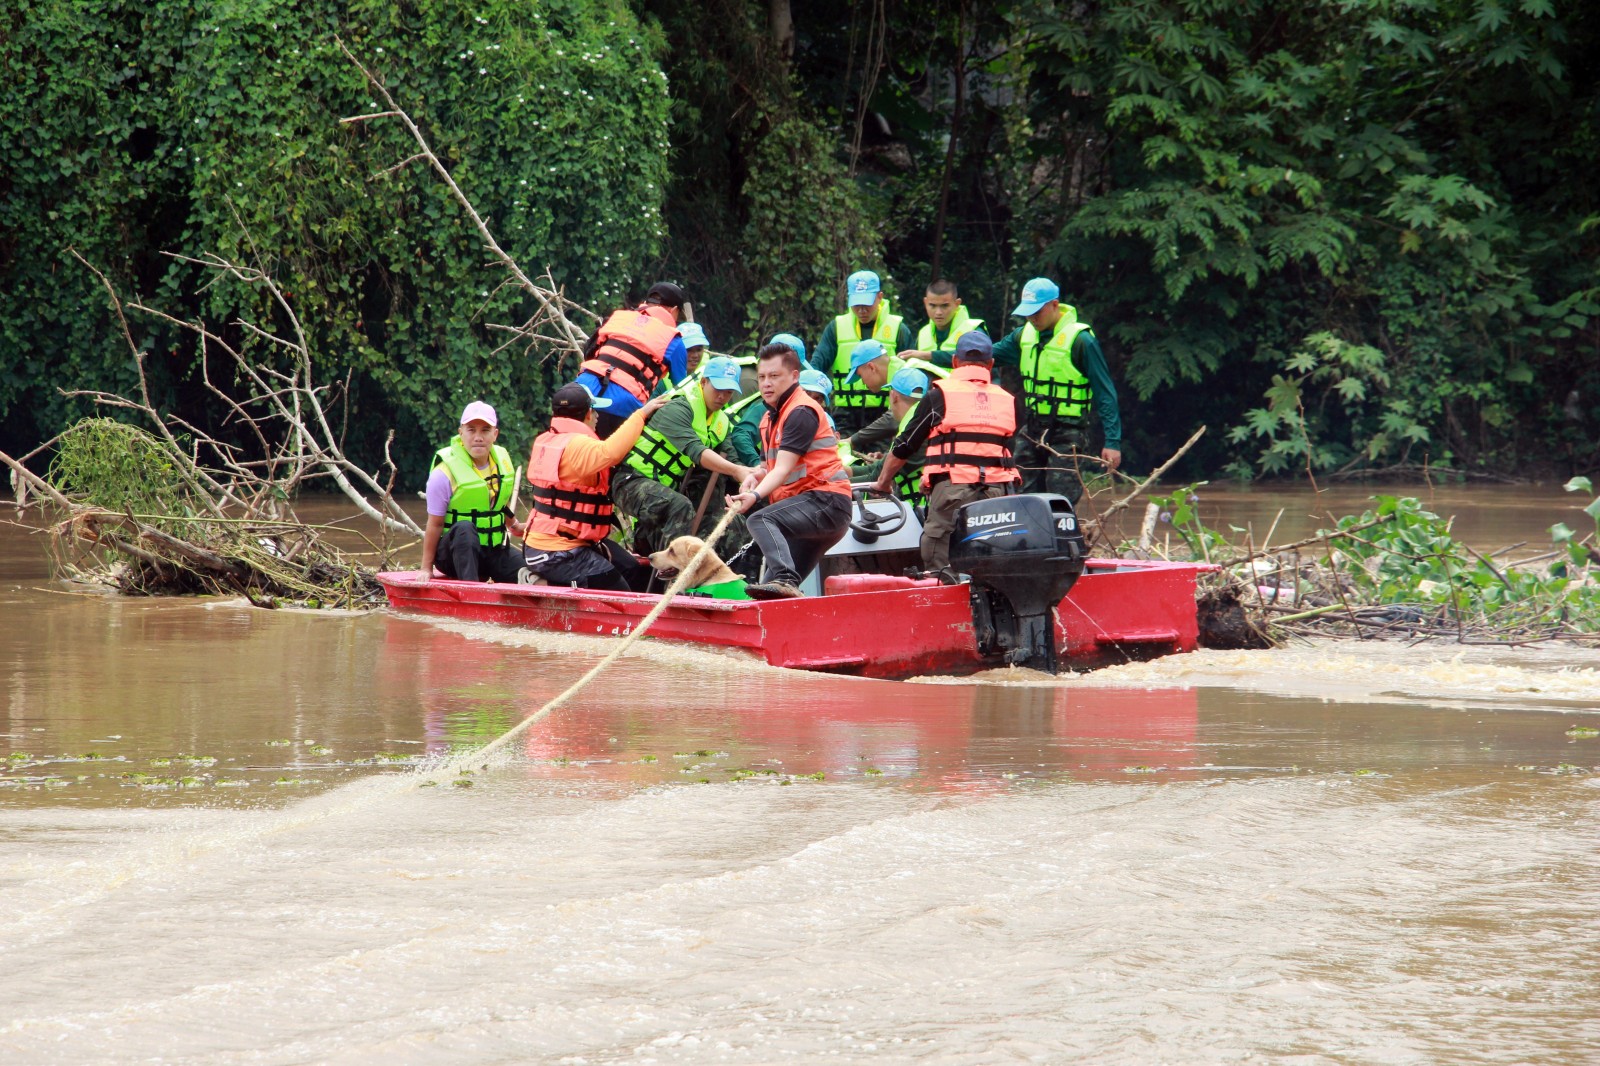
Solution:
(827, 346)
(678, 361)
(1091, 360)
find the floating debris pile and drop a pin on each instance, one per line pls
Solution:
(1394, 571)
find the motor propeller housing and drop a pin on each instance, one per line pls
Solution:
(1023, 554)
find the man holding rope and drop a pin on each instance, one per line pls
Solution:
(801, 481)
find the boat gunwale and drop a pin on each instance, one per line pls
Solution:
(409, 580)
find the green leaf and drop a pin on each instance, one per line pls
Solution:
(1579, 484)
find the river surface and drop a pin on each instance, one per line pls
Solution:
(214, 848)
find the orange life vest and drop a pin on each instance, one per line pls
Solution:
(971, 445)
(631, 349)
(819, 469)
(565, 508)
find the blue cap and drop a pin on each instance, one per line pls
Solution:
(974, 344)
(862, 287)
(1035, 294)
(814, 380)
(860, 356)
(693, 336)
(909, 382)
(792, 341)
(723, 373)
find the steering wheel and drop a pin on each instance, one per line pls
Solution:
(867, 526)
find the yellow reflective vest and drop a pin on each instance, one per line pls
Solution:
(846, 335)
(472, 497)
(1052, 387)
(962, 323)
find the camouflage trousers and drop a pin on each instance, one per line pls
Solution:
(661, 515)
(1043, 469)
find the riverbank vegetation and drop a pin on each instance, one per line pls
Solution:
(1320, 226)
(1349, 235)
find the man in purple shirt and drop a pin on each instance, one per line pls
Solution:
(469, 504)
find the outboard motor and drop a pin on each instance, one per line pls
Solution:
(1023, 553)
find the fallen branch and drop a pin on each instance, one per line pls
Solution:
(553, 304)
(1098, 524)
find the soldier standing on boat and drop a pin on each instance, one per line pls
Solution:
(569, 470)
(868, 318)
(469, 504)
(967, 424)
(1063, 371)
(801, 487)
(948, 319)
(682, 447)
(631, 352)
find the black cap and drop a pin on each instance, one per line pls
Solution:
(666, 294)
(974, 346)
(574, 401)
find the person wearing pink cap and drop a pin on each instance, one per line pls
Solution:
(469, 504)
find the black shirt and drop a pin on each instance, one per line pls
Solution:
(929, 413)
(800, 431)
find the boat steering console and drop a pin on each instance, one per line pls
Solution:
(1023, 553)
(868, 519)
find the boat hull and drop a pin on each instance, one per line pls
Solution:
(870, 625)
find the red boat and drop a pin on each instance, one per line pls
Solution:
(1028, 596)
(875, 625)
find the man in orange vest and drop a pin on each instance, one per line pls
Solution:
(801, 482)
(633, 351)
(967, 423)
(570, 471)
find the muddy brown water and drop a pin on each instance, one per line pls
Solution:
(211, 850)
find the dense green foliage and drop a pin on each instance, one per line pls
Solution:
(1343, 233)
(193, 127)
(1350, 233)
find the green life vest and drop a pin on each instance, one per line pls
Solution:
(1052, 387)
(472, 498)
(846, 335)
(933, 370)
(962, 323)
(908, 479)
(657, 457)
(723, 590)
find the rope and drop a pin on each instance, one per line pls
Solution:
(459, 762)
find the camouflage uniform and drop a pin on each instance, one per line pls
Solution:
(661, 515)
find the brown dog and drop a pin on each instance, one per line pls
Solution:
(677, 555)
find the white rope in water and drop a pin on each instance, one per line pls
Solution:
(456, 763)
